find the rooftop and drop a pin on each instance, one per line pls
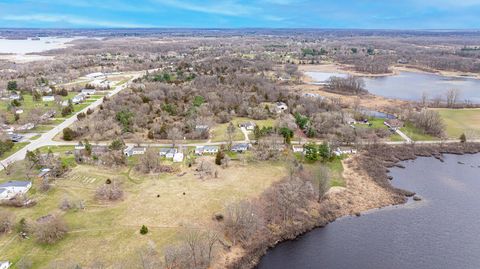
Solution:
(15, 183)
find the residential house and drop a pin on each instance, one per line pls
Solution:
(79, 146)
(298, 149)
(11, 188)
(168, 152)
(48, 115)
(6, 128)
(44, 89)
(249, 126)
(131, 150)
(79, 98)
(99, 150)
(200, 150)
(45, 172)
(5, 264)
(27, 126)
(340, 151)
(89, 91)
(202, 128)
(178, 157)
(242, 147)
(15, 97)
(48, 98)
(313, 95)
(95, 75)
(19, 111)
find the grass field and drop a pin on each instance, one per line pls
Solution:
(219, 132)
(16, 147)
(109, 232)
(460, 121)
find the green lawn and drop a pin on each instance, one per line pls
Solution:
(415, 134)
(460, 121)
(18, 146)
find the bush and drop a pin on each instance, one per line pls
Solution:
(68, 134)
(220, 156)
(463, 138)
(143, 230)
(6, 221)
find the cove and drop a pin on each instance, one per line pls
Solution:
(441, 231)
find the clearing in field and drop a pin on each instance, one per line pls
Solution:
(460, 121)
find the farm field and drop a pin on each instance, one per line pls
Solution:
(460, 121)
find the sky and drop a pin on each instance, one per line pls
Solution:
(363, 14)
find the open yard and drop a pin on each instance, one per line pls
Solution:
(219, 132)
(109, 232)
(460, 121)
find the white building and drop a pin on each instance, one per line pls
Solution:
(11, 188)
(77, 99)
(5, 264)
(95, 75)
(200, 150)
(168, 152)
(249, 126)
(131, 150)
(178, 157)
(48, 98)
(242, 147)
(89, 91)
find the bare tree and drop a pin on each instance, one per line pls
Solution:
(452, 96)
(109, 192)
(241, 221)
(174, 134)
(49, 229)
(230, 132)
(6, 221)
(323, 178)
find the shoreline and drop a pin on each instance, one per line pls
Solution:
(396, 69)
(368, 187)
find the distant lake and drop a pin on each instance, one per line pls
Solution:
(440, 232)
(31, 46)
(411, 85)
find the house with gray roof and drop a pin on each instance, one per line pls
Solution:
(242, 147)
(11, 188)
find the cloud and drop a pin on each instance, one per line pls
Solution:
(79, 21)
(227, 8)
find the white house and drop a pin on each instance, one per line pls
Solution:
(131, 150)
(19, 111)
(89, 91)
(15, 97)
(298, 149)
(168, 152)
(95, 75)
(200, 150)
(249, 126)
(5, 264)
(79, 146)
(48, 98)
(77, 99)
(242, 147)
(11, 188)
(178, 157)
(339, 151)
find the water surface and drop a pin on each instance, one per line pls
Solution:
(412, 85)
(441, 231)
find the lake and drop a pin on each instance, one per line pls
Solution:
(19, 49)
(441, 231)
(411, 85)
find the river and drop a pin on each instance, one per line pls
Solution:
(412, 85)
(441, 231)
(23, 50)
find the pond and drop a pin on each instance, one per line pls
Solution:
(441, 231)
(412, 85)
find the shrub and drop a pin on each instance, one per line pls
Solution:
(463, 138)
(143, 230)
(49, 229)
(68, 134)
(109, 192)
(220, 156)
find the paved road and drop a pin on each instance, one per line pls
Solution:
(47, 138)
